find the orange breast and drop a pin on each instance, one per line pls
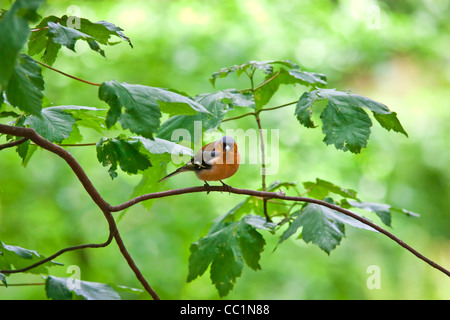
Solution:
(222, 170)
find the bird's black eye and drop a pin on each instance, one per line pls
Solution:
(227, 143)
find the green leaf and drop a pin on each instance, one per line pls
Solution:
(14, 32)
(265, 66)
(38, 40)
(294, 76)
(226, 247)
(347, 127)
(142, 110)
(163, 149)
(321, 189)
(19, 258)
(148, 184)
(26, 151)
(173, 103)
(141, 114)
(25, 86)
(389, 121)
(56, 289)
(63, 288)
(123, 152)
(217, 104)
(286, 72)
(303, 110)
(84, 116)
(53, 124)
(183, 122)
(52, 32)
(321, 225)
(255, 204)
(345, 123)
(383, 211)
(66, 36)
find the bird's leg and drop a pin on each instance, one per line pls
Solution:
(226, 186)
(207, 186)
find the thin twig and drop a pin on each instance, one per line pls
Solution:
(12, 143)
(259, 111)
(263, 165)
(68, 75)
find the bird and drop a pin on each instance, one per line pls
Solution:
(216, 161)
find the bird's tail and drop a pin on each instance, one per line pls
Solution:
(179, 170)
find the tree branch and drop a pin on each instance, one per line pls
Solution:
(107, 208)
(277, 195)
(12, 143)
(90, 189)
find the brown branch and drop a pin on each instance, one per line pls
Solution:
(107, 208)
(67, 75)
(276, 195)
(90, 189)
(60, 252)
(12, 143)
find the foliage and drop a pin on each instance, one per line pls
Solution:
(148, 117)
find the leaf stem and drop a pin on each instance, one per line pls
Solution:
(260, 110)
(67, 75)
(263, 165)
(261, 142)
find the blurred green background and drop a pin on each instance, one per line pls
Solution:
(395, 52)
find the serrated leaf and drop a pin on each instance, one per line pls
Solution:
(318, 227)
(345, 123)
(122, 152)
(265, 66)
(164, 149)
(148, 184)
(226, 247)
(84, 116)
(141, 113)
(188, 123)
(25, 86)
(142, 106)
(53, 124)
(56, 289)
(347, 127)
(52, 32)
(37, 41)
(14, 32)
(63, 288)
(282, 77)
(303, 110)
(66, 36)
(389, 121)
(321, 189)
(321, 225)
(255, 204)
(173, 103)
(217, 104)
